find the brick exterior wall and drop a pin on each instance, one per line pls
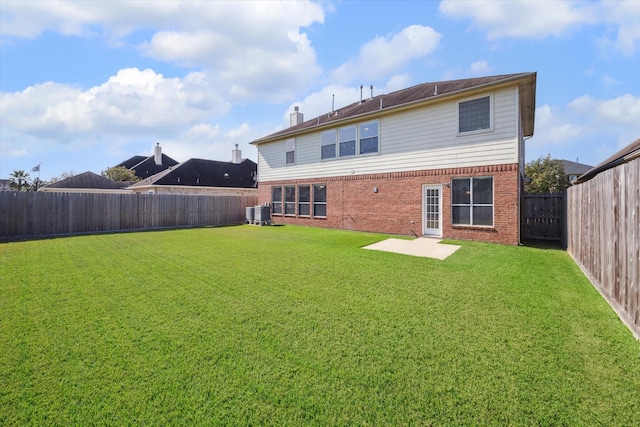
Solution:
(397, 206)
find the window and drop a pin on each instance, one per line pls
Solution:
(472, 201)
(289, 200)
(347, 141)
(369, 138)
(291, 151)
(276, 200)
(320, 200)
(474, 115)
(328, 143)
(304, 200)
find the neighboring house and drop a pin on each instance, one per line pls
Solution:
(5, 185)
(200, 176)
(574, 169)
(87, 182)
(441, 159)
(145, 167)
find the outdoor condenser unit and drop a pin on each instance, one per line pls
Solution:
(262, 215)
(250, 214)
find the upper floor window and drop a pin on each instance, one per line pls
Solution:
(291, 151)
(347, 141)
(369, 138)
(472, 201)
(328, 143)
(474, 115)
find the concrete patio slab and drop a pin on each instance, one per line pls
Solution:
(422, 247)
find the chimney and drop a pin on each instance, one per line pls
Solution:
(296, 117)
(157, 154)
(236, 155)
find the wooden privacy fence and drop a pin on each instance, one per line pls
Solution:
(29, 215)
(604, 235)
(544, 216)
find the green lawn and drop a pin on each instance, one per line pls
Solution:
(299, 326)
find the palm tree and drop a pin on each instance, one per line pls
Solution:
(19, 180)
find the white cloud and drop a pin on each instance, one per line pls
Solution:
(623, 111)
(203, 131)
(238, 132)
(251, 49)
(384, 55)
(132, 102)
(608, 124)
(553, 128)
(18, 153)
(625, 15)
(522, 19)
(481, 67)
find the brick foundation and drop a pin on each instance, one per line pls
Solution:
(397, 206)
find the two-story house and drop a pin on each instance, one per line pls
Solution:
(441, 159)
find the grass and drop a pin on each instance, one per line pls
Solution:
(299, 326)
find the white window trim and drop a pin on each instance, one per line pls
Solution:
(357, 154)
(491, 115)
(285, 202)
(471, 205)
(335, 145)
(377, 121)
(355, 141)
(281, 202)
(309, 203)
(314, 203)
(286, 142)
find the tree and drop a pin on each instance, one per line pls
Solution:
(546, 175)
(19, 180)
(120, 173)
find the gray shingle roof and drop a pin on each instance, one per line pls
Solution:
(574, 168)
(405, 97)
(88, 180)
(206, 173)
(145, 167)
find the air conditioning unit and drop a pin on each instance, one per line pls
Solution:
(250, 217)
(262, 215)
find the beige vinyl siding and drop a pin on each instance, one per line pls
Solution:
(423, 138)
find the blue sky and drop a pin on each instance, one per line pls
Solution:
(85, 85)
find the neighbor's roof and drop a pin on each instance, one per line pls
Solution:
(628, 153)
(574, 168)
(419, 94)
(205, 173)
(145, 167)
(88, 180)
(129, 163)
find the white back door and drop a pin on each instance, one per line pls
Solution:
(432, 210)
